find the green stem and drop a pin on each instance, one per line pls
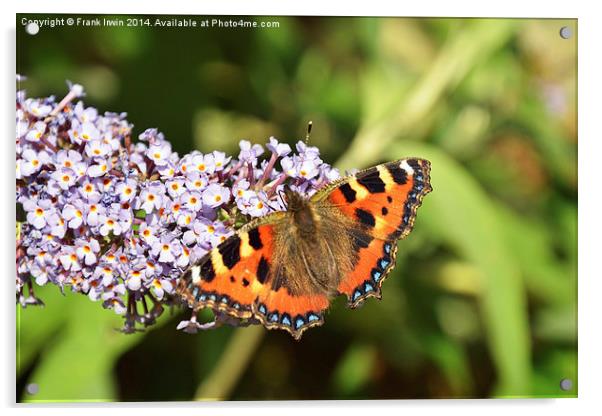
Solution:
(231, 364)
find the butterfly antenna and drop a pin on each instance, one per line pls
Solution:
(309, 126)
(281, 196)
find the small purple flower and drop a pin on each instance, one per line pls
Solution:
(248, 152)
(80, 169)
(101, 167)
(220, 160)
(40, 273)
(105, 273)
(186, 166)
(89, 191)
(69, 260)
(58, 227)
(279, 149)
(219, 235)
(38, 212)
(196, 181)
(308, 169)
(160, 286)
(97, 149)
(93, 213)
(183, 260)
(168, 170)
(151, 136)
(22, 125)
(216, 195)
(64, 178)
(87, 250)
(255, 205)
(184, 218)
(192, 201)
(204, 164)
(148, 234)
(159, 153)
(151, 268)
(136, 159)
(37, 108)
(89, 132)
(85, 115)
(126, 190)
(151, 198)
(73, 215)
(116, 304)
(134, 280)
(108, 225)
(76, 90)
(307, 152)
(297, 168)
(175, 187)
(36, 133)
(165, 251)
(32, 161)
(68, 158)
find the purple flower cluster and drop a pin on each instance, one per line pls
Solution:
(120, 221)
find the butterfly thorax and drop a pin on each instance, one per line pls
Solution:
(304, 216)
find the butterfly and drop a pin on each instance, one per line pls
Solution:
(282, 270)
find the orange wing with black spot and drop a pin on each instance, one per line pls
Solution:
(382, 201)
(230, 277)
(238, 278)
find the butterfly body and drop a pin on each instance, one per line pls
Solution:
(283, 269)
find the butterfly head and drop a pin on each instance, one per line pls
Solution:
(294, 200)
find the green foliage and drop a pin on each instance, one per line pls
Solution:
(76, 343)
(483, 300)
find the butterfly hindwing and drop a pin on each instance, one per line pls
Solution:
(239, 278)
(293, 313)
(382, 201)
(230, 277)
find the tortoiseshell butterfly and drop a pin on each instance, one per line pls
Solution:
(281, 270)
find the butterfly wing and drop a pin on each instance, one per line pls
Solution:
(382, 202)
(230, 277)
(245, 277)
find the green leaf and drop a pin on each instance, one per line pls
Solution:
(41, 322)
(77, 364)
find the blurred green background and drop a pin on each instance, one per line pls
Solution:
(483, 300)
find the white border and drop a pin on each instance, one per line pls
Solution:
(590, 278)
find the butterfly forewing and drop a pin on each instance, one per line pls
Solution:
(230, 277)
(382, 201)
